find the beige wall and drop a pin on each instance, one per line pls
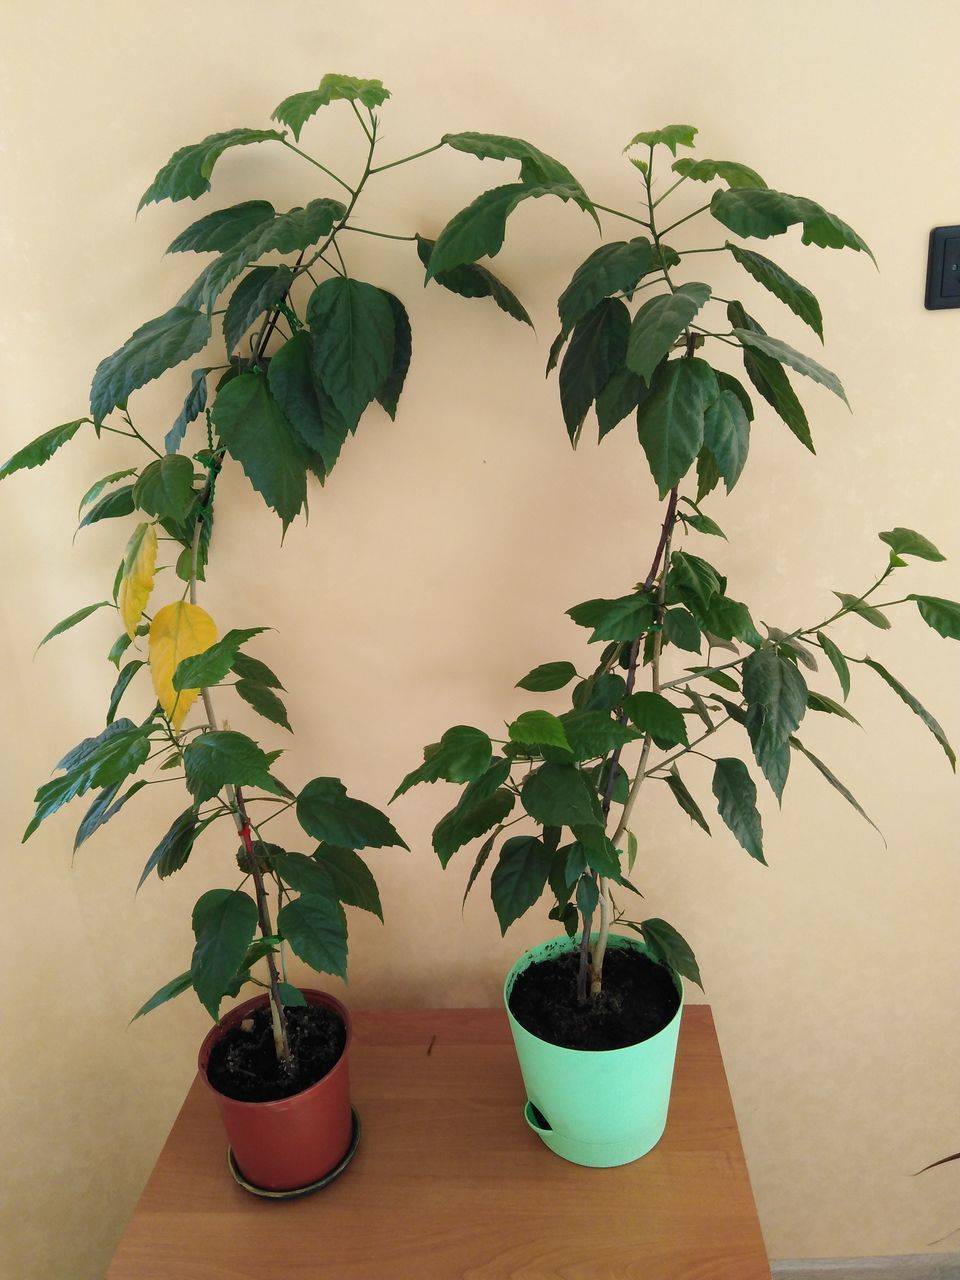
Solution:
(437, 564)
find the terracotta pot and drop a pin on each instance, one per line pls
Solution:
(293, 1142)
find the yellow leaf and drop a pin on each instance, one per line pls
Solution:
(178, 631)
(139, 563)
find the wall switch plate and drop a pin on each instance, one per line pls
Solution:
(943, 269)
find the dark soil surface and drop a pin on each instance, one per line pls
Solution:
(638, 1000)
(243, 1064)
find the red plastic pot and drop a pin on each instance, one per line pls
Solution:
(293, 1142)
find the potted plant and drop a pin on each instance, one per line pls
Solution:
(595, 1013)
(301, 350)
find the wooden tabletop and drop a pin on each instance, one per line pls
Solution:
(449, 1183)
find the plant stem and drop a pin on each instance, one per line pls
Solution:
(619, 214)
(703, 208)
(328, 172)
(143, 440)
(383, 235)
(239, 811)
(381, 168)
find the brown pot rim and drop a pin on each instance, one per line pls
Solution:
(239, 1012)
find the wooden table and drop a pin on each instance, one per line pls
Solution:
(449, 1183)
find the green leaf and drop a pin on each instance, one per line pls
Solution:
(785, 354)
(654, 714)
(729, 620)
(820, 702)
(855, 604)
(536, 167)
(770, 379)
(621, 619)
(265, 702)
(907, 542)
(673, 136)
(593, 733)
(671, 949)
(117, 503)
(599, 693)
(296, 110)
(353, 327)
(316, 929)
(783, 286)
(297, 229)
(480, 862)
(478, 231)
(186, 175)
(684, 799)
(193, 405)
(703, 524)
(620, 396)
(74, 618)
(216, 276)
(258, 292)
(462, 755)
(469, 819)
(942, 615)
(547, 677)
(302, 874)
(772, 757)
(104, 807)
(155, 347)
(774, 686)
(613, 268)
(597, 348)
(307, 407)
(539, 728)
(763, 213)
(588, 895)
(680, 628)
(352, 879)
(327, 813)
(96, 489)
(837, 661)
(109, 756)
(253, 669)
(291, 996)
(558, 795)
(165, 487)
(692, 581)
(224, 228)
(176, 846)
(670, 422)
(518, 879)
(119, 648)
(659, 323)
(917, 708)
(474, 281)
(256, 433)
(224, 922)
(221, 758)
(388, 394)
(836, 784)
(733, 174)
(119, 689)
(488, 782)
(175, 987)
(41, 450)
(726, 433)
(736, 797)
(213, 664)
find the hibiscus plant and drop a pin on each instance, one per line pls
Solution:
(682, 657)
(290, 352)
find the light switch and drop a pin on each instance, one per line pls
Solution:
(943, 269)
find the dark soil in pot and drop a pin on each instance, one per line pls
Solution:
(243, 1064)
(638, 1000)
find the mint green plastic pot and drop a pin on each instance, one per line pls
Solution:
(596, 1108)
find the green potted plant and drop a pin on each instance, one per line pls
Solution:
(595, 1013)
(301, 349)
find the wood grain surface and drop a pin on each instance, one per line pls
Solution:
(450, 1184)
